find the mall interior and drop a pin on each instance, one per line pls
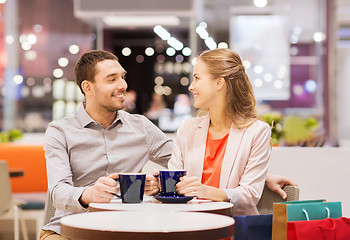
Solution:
(296, 54)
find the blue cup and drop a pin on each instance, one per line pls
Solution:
(168, 180)
(132, 187)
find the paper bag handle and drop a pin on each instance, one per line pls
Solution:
(326, 228)
(307, 215)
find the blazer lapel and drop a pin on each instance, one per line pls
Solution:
(200, 138)
(232, 147)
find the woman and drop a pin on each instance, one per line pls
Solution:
(226, 149)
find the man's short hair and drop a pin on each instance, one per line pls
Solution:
(85, 67)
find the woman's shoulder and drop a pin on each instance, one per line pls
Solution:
(193, 123)
(259, 126)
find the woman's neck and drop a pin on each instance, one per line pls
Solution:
(220, 123)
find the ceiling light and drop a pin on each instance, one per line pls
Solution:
(32, 38)
(179, 58)
(9, 39)
(298, 90)
(260, 3)
(126, 51)
(30, 55)
(258, 69)
(278, 84)
(211, 44)
(319, 36)
(170, 51)
(149, 51)
(26, 46)
(222, 45)
(18, 79)
(63, 62)
(122, 21)
(258, 82)
(37, 28)
(58, 73)
(186, 51)
(310, 86)
(74, 49)
(159, 80)
(162, 32)
(175, 43)
(184, 81)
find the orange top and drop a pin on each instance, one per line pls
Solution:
(214, 155)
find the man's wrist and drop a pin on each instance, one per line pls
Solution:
(84, 199)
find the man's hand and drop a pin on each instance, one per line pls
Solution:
(101, 192)
(152, 184)
(276, 182)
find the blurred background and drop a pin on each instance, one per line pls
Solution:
(296, 54)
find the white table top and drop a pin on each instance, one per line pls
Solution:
(150, 204)
(146, 225)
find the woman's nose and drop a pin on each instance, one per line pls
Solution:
(191, 87)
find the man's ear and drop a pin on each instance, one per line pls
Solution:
(220, 83)
(87, 87)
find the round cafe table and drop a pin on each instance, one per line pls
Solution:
(149, 204)
(147, 225)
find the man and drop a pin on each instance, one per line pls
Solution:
(85, 152)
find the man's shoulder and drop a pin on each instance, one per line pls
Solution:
(64, 122)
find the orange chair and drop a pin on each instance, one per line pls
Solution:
(30, 159)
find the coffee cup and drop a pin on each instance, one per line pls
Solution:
(132, 187)
(168, 180)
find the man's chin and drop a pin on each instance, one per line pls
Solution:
(115, 108)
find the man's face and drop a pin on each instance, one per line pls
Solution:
(109, 86)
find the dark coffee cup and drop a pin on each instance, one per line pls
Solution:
(168, 180)
(132, 187)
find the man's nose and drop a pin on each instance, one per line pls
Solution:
(122, 85)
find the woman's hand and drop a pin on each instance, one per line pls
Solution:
(276, 182)
(191, 186)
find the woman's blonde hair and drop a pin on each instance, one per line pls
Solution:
(240, 100)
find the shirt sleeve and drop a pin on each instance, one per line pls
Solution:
(251, 184)
(160, 146)
(63, 194)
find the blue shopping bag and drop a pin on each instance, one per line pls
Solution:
(253, 227)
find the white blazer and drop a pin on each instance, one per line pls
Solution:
(244, 166)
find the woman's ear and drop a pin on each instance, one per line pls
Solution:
(220, 83)
(87, 87)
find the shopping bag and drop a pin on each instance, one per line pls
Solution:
(300, 211)
(253, 227)
(328, 229)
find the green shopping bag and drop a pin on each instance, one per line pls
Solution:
(284, 212)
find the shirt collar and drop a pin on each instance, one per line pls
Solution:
(85, 119)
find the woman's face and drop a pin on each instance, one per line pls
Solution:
(203, 86)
